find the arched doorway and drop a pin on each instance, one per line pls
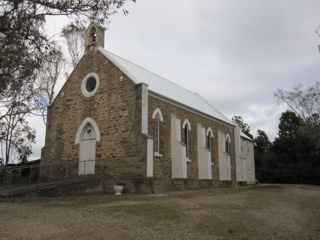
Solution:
(87, 136)
(87, 154)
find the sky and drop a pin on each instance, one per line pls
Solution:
(235, 54)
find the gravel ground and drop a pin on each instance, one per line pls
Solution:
(259, 212)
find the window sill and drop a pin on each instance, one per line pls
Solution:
(188, 160)
(156, 154)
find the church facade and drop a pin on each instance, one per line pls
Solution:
(118, 120)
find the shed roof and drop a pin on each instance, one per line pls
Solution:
(165, 88)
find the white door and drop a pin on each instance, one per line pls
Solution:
(87, 151)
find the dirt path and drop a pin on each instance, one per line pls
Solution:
(261, 212)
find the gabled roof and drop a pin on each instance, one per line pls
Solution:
(164, 88)
(243, 135)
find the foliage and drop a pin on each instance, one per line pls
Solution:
(243, 126)
(30, 62)
(119, 183)
(262, 142)
(293, 157)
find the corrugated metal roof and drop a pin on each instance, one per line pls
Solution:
(164, 87)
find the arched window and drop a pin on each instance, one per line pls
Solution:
(93, 34)
(227, 144)
(157, 116)
(209, 138)
(156, 133)
(209, 141)
(186, 139)
(186, 126)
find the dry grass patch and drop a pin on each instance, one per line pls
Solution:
(258, 212)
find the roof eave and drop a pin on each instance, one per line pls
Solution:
(164, 98)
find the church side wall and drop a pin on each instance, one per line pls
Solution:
(162, 164)
(116, 109)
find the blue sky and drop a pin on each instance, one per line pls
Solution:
(233, 53)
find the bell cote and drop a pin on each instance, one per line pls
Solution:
(94, 37)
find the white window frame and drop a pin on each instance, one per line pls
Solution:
(209, 138)
(84, 84)
(157, 112)
(187, 124)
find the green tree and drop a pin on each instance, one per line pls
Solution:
(286, 144)
(243, 126)
(262, 142)
(296, 153)
(298, 144)
(264, 159)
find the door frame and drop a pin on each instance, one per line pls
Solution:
(81, 130)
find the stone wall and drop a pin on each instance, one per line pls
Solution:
(162, 165)
(115, 108)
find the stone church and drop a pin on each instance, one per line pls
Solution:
(118, 121)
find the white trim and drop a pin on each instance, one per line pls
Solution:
(209, 130)
(228, 137)
(154, 114)
(122, 69)
(187, 141)
(82, 127)
(149, 157)
(156, 154)
(144, 108)
(157, 110)
(186, 121)
(84, 83)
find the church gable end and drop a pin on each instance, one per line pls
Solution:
(95, 90)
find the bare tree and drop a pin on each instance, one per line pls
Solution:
(16, 136)
(74, 37)
(47, 78)
(304, 102)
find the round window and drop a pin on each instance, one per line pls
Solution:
(90, 84)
